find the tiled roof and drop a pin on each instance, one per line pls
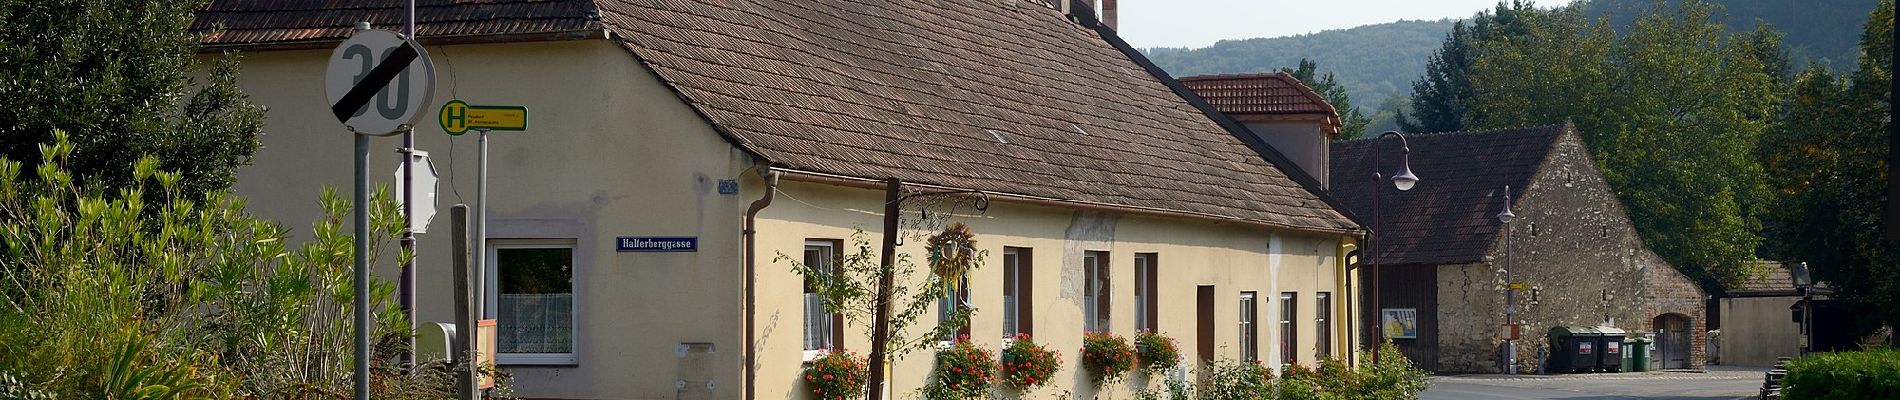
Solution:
(1451, 215)
(914, 90)
(928, 91)
(266, 23)
(1263, 96)
(1775, 277)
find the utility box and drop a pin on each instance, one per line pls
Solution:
(1576, 348)
(1610, 359)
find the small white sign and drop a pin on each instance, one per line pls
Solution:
(379, 82)
(424, 199)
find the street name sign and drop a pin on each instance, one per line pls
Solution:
(378, 82)
(656, 243)
(458, 117)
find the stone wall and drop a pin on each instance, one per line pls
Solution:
(1575, 249)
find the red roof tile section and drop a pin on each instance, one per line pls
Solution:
(1260, 97)
(1450, 217)
(912, 89)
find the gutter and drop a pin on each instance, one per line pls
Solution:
(850, 181)
(752, 277)
(479, 38)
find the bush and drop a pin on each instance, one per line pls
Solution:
(963, 372)
(1393, 377)
(1156, 353)
(103, 295)
(1236, 380)
(1027, 365)
(1873, 374)
(837, 375)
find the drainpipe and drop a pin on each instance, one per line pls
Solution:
(1352, 336)
(751, 278)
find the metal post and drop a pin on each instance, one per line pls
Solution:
(464, 325)
(408, 283)
(481, 226)
(880, 332)
(1372, 251)
(1510, 291)
(362, 267)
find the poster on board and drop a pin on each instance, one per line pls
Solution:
(1399, 323)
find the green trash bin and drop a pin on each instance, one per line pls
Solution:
(1639, 354)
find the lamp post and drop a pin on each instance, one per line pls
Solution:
(1510, 287)
(1804, 285)
(1404, 180)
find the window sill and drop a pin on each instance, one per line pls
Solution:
(538, 359)
(811, 355)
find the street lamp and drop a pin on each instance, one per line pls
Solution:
(1804, 285)
(1510, 288)
(1404, 180)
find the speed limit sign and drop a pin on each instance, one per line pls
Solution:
(379, 82)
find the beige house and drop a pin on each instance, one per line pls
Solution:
(765, 129)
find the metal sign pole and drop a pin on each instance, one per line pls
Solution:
(362, 266)
(408, 284)
(481, 225)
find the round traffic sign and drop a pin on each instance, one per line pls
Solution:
(378, 82)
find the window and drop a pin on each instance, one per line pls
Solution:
(823, 330)
(1145, 301)
(949, 306)
(1289, 330)
(531, 289)
(1249, 335)
(1018, 279)
(1095, 296)
(1323, 320)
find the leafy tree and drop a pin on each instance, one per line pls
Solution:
(118, 75)
(1826, 163)
(1441, 99)
(1353, 123)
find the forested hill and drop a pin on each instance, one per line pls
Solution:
(1374, 62)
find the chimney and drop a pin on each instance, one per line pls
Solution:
(1080, 10)
(1108, 14)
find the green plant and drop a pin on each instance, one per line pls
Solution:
(1027, 365)
(1106, 356)
(1871, 374)
(963, 371)
(848, 286)
(189, 297)
(837, 375)
(1173, 389)
(1155, 352)
(1236, 380)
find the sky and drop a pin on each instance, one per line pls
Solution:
(1200, 23)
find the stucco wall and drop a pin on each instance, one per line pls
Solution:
(1755, 330)
(1300, 141)
(1575, 248)
(1234, 258)
(609, 152)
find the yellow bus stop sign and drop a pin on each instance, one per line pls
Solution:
(458, 117)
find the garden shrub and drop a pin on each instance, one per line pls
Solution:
(143, 291)
(1872, 374)
(1155, 352)
(963, 371)
(1027, 365)
(837, 375)
(1236, 380)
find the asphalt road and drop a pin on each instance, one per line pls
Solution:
(1717, 384)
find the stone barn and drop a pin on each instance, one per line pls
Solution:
(1441, 249)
